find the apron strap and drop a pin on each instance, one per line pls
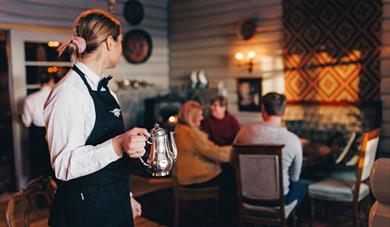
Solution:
(82, 75)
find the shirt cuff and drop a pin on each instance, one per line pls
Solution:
(109, 150)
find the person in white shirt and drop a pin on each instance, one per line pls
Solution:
(89, 147)
(32, 117)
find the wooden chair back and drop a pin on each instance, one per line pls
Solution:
(259, 178)
(182, 194)
(27, 199)
(369, 146)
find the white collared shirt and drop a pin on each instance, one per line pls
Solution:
(70, 117)
(33, 107)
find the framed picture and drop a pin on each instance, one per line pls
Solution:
(249, 94)
(137, 46)
(133, 10)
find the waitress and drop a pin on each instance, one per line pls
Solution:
(89, 148)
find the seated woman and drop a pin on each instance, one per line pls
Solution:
(198, 159)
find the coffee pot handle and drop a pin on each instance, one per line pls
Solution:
(144, 163)
(148, 141)
(173, 145)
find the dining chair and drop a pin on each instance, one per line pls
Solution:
(347, 190)
(187, 194)
(259, 178)
(26, 200)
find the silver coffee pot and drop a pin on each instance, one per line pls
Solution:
(161, 152)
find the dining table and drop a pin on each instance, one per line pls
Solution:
(316, 160)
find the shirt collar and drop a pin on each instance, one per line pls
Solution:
(45, 88)
(271, 125)
(89, 73)
(224, 117)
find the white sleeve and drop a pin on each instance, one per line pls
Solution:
(65, 117)
(27, 113)
(296, 166)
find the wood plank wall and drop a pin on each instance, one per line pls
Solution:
(60, 13)
(385, 83)
(203, 36)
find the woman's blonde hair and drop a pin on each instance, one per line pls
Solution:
(94, 26)
(188, 112)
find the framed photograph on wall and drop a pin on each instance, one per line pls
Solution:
(249, 94)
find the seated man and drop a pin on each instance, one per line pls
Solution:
(270, 131)
(221, 126)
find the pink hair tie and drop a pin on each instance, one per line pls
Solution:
(80, 43)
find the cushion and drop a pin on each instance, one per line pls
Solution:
(347, 174)
(337, 190)
(379, 215)
(380, 181)
(268, 211)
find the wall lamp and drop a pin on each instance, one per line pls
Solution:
(246, 61)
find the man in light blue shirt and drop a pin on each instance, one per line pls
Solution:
(271, 131)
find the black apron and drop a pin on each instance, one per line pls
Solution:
(39, 152)
(101, 198)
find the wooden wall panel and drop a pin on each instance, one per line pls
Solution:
(203, 36)
(385, 75)
(59, 13)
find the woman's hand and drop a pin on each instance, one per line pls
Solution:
(131, 142)
(136, 207)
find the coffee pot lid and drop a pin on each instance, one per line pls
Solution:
(157, 131)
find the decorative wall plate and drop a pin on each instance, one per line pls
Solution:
(246, 29)
(137, 46)
(133, 11)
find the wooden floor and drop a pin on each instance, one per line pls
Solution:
(158, 206)
(141, 186)
(139, 222)
(39, 219)
(156, 198)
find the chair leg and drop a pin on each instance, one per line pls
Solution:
(26, 215)
(283, 223)
(294, 218)
(241, 222)
(217, 212)
(240, 219)
(177, 214)
(355, 212)
(367, 204)
(311, 207)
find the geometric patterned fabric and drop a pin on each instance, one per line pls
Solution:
(331, 51)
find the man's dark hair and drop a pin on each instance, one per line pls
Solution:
(274, 103)
(222, 100)
(44, 78)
